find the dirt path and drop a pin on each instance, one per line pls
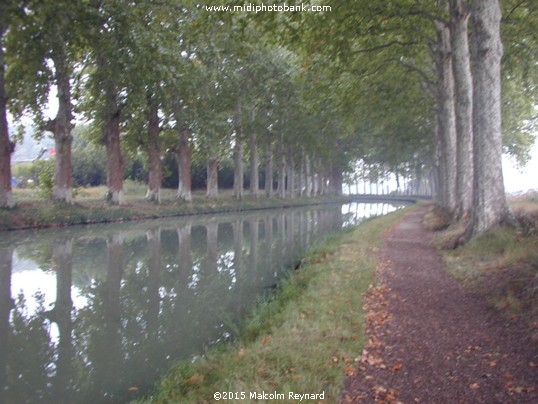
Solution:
(431, 341)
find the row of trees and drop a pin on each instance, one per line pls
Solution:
(157, 76)
(408, 87)
(432, 89)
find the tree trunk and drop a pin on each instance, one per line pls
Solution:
(114, 163)
(269, 170)
(282, 172)
(153, 149)
(445, 118)
(238, 152)
(489, 201)
(111, 115)
(6, 146)
(337, 180)
(254, 160)
(461, 64)
(61, 126)
(212, 178)
(291, 176)
(308, 177)
(184, 190)
(238, 169)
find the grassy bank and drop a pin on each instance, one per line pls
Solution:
(32, 211)
(502, 265)
(304, 340)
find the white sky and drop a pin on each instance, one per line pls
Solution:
(521, 180)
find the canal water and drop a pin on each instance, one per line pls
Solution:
(96, 314)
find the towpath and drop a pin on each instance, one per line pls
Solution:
(432, 341)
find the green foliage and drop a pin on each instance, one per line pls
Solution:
(45, 177)
(89, 160)
(353, 84)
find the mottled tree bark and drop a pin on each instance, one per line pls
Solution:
(114, 163)
(291, 175)
(446, 122)
(239, 169)
(489, 201)
(308, 176)
(184, 190)
(282, 172)
(61, 127)
(6, 146)
(254, 160)
(461, 64)
(111, 115)
(212, 178)
(153, 148)
(337, 180)
(269, 170)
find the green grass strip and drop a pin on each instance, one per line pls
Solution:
(303, 340)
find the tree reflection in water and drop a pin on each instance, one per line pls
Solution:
(130, 299)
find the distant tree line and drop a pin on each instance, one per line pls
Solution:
(295, 100)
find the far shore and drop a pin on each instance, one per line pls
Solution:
(91, 208)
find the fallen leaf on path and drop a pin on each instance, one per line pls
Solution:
(509, 384)
(373, 342)
(385, 395)
(474, 386)
(349, 370)
(372, 360)
(517, 390)
(396, 367)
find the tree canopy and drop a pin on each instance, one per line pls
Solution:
(308, 95)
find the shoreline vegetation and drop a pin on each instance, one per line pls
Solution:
(309, 336)
(90, 207)
(305, 339)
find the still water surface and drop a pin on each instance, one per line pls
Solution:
(97, 314)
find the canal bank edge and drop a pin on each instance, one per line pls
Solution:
(48, 214)
(306, 339)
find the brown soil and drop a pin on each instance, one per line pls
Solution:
(432, 341)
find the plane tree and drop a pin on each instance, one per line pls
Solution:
(417, 39)
(43, 46)
(108, 52)
(151, 74)
(6, 146)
